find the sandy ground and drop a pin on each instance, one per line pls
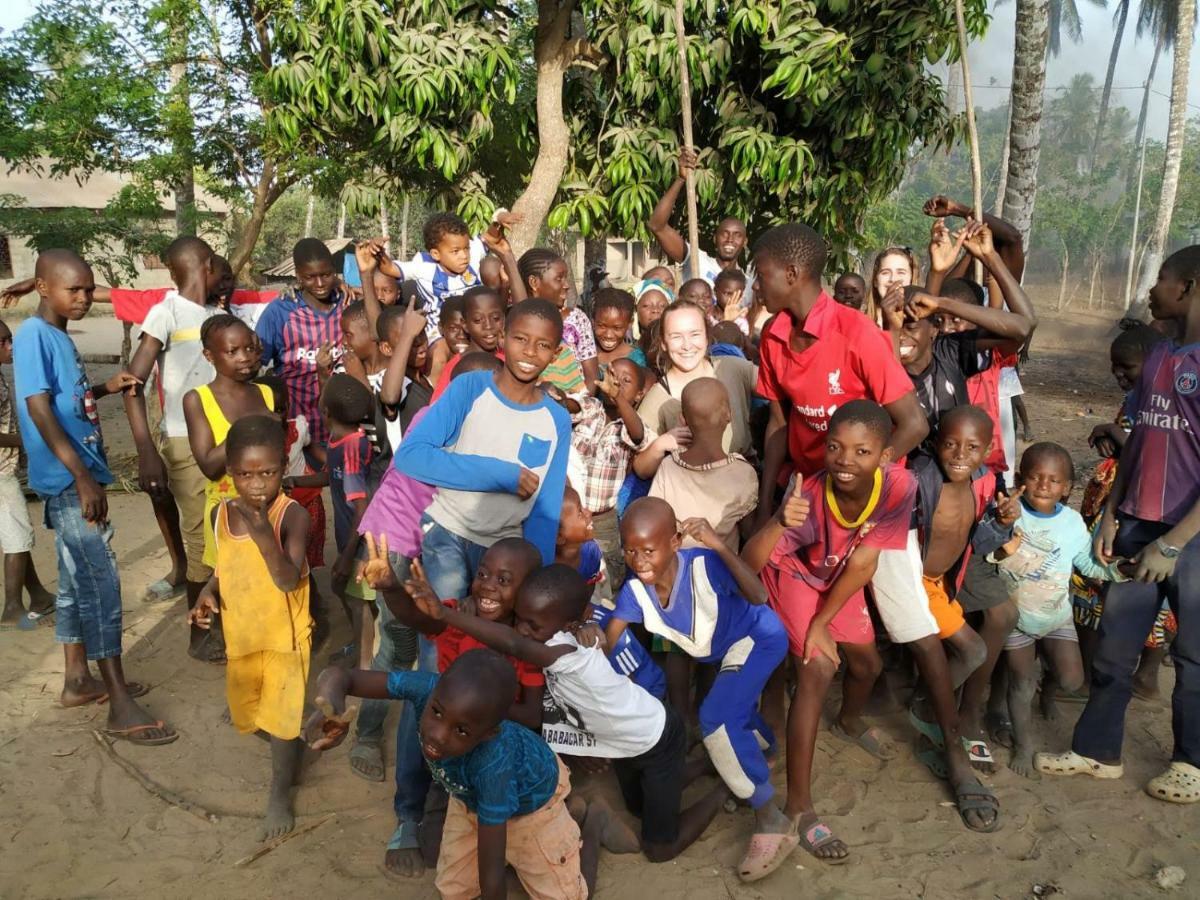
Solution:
(73, 824)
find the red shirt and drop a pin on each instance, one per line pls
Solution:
(453, 643)
(983, 390)
(817, 550)
(851, 359)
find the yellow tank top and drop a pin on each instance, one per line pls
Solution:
(222, 488)
(255, 614)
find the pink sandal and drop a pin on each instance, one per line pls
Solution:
(765, 854)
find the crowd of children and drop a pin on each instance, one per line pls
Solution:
(576, 538)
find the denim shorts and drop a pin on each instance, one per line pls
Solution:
(88, 605)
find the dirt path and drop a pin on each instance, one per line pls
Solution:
(76, 825)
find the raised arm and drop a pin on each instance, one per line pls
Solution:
(911, 426)
(1007, 237)
(659, 223)
(747, 579)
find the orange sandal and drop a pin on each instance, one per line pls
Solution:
(130, 734)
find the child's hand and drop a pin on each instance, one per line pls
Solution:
(493, 238)
(206, 607)
(1011, 547)
(365, 256)
(1102, 440)
(122, 381)
(978, 239)
(688, 161)
(422, 592)
(554, 392)
(329, 725)
(414, 320)
(254, 515)
(288, 484)
(795, 509)
(589, 634)
(733, 310)
(341, 570)
(1106, 536)
(377, 570)
(701, 531)
(820, 643)
(943, 247)
(1008, 507)
(893, 308)
(939, 206)
(527, 483)
(608, 385)
(921, 306)
(677, 438)
(325, 359)
(508, 219)
(385, 263)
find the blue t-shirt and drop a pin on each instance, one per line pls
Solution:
(706, 613)
(45, 361)
(513, 774)
(631, 659)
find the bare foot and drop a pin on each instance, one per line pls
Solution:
(404, 863)
(279, 819)
(209, 649)
(82, 692)
(615, 835)
(818, 839)
(1022, 763)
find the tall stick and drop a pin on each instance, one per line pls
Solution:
(1133, 235)
(972, 132)
(685, 98)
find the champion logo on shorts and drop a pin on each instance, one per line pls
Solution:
(1187, 382)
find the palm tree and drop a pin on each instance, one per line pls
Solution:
(1064, 17)
(1119, 19)
(1184, 32)
(1025, 124)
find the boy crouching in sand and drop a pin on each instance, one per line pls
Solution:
(260, 590)
(506, 786)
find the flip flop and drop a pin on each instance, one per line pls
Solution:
(370, 753)
(931, 730)
(818, 835)
(976, 797)
(1071, 763)
(162, 590)
(978, 752)
(130, 734)
(872, 740)
(32, 620)
(1180, 783)
(765, 854)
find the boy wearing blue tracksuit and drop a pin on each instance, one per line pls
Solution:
(711, 605)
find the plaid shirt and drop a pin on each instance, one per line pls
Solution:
(601, 452)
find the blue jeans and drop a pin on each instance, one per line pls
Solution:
(88, 605)
(397, 650)
(412, 775)
(1130, 609)
(450, 561)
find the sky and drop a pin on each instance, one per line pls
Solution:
(991, 60)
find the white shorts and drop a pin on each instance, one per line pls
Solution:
(16, 532)
(899, 592)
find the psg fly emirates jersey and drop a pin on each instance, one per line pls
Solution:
(292, 333)
(1164, 448)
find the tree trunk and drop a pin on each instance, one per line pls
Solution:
(341, 230)
(1002, 182)
(553, 53)
(180, 124)
(383, 219)
(954, 90)
(1025, 128)
(308, 215)
(1062, 284)
(266, 192)
(1175, 129)
(1106, 93)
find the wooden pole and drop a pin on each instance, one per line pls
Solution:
(972, 132)
(685, 97)
(1133, 235)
